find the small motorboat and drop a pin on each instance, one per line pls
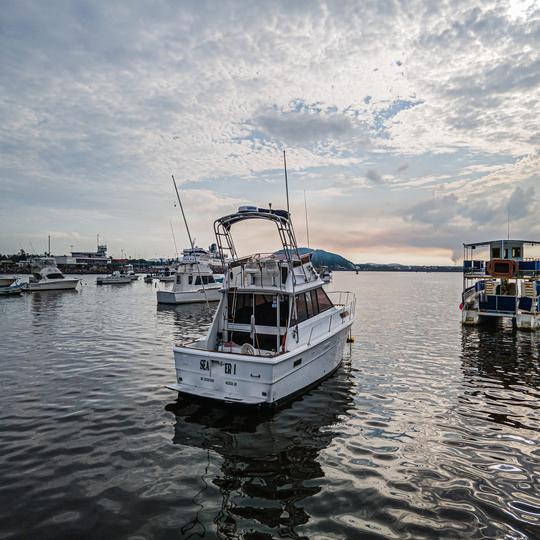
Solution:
(149, 278)
(116, 278)
(168, 275)
(7, 281)
(128, 271)
(325, 274)
(46, 276)
(10, 286)
(194, 281)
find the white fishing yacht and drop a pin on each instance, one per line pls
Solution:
(194, 281)
(276, 331)
(116, 278)
(46, 276)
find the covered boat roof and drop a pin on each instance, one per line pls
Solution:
(506, 241)
(252, 212)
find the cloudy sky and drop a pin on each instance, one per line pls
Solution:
(411, 126)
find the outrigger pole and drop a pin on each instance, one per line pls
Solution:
(190, 240)
(182, 210)
(286, 180)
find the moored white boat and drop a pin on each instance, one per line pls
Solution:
(116, 278)
(129, 272)
(194, 281)
(168, 275)
(46, 276)
(276, 331)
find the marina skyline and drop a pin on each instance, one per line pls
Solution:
(412, 127)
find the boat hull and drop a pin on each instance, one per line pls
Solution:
(188, 297)
(113, 281)
(258, 381)
(67, 284)
(7, 281)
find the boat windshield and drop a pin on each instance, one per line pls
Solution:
(55, 276)
(262, 306)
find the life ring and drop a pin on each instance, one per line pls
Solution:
(502, 268)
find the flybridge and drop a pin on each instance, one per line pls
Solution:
(282, 220)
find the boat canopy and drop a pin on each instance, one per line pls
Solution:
(252, 212)
(498, 242)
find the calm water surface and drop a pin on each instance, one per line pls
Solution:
(428, 430)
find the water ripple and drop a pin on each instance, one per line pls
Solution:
(428, 430)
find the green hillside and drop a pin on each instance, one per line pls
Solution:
(326, 258)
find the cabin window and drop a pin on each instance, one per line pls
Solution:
(496, 252)
(190, 280)
(314, 302)
(262, 306)
(265, 310)
(301, 308)
(204, 280)
(323, 300)
(309, 305)
(240, 308)
(516, 253)
(55, 276)
(284, 311)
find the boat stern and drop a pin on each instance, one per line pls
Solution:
(222, 376)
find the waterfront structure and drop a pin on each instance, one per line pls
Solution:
(504, 285)
(276, 331)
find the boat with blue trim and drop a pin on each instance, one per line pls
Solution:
(503, 284)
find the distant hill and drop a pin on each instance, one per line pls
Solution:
(324, 258)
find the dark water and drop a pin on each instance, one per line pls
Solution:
(427, 431)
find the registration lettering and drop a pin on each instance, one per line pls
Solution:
(230, 369)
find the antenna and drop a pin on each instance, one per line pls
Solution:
(97, 237)
(508, 221)
(49, 244)
(307, 224)
(174, 239)
(286, 180)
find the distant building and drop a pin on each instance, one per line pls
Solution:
(88, 258)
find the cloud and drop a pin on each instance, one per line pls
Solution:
(302, 128)
(101, 102)
(374, 177)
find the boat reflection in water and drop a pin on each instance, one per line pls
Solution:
(499, 404)
(270, 462)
